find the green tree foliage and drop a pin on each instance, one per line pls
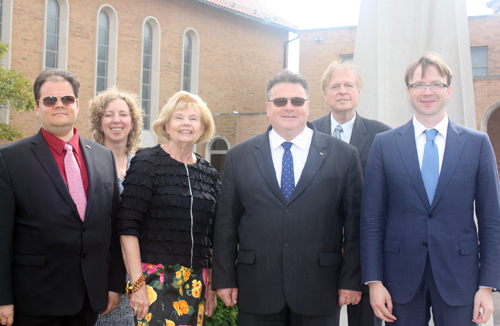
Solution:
(15, 94)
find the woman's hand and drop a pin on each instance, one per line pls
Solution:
(211, 301)
(139, 302)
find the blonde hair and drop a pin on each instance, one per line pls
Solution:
(337, 64)
(181, 101)
(98, 106)
(428, 59)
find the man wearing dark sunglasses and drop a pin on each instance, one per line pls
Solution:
(58, 199)
(341, 85)
(290, 199)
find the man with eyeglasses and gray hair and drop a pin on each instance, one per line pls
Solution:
(59, 258)
(288, 214)
(425, 182)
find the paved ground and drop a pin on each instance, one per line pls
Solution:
(495, 321)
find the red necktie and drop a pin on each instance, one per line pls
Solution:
(75, 182)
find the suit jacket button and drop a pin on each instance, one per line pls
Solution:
(425, 244)
(429, 216)
(84, 255)
(287, 210)
(286, 244)
(83, 230)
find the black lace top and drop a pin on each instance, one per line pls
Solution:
(158, 208)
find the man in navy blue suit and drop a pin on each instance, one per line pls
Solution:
(419, 238)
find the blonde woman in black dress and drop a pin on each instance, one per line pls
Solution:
(166, 219)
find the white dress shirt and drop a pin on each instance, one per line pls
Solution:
(421, 139)
(346, 133)
(299, 149)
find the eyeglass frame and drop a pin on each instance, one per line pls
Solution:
(439, 85)
(289, 99)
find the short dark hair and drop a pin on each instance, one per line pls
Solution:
(288, 77)
(55, 75)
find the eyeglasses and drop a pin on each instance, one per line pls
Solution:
(52, 100)
(282, 101)
(434, 87)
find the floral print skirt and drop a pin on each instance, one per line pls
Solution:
(176, 295)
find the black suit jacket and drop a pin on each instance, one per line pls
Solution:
(289, 252)
(49, 258)
(363, 133)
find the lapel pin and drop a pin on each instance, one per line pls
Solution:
(87, 146)
(321, 153)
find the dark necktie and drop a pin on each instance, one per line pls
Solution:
(75, 182)
(430, 164)
(287, 175)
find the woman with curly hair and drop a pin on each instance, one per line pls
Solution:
(166, 219)
(116, 122)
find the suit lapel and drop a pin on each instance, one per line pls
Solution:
(264, 162)
(315, 158)
(453, 151)
(358, 136)
(89, 157)
(408, 150)
(44, 155)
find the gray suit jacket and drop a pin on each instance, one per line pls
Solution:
(289, 252)
(363, 133)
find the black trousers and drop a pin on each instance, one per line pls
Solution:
(362, 314)
(286, 317)
(86, 317)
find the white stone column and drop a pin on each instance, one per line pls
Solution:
(391, 34)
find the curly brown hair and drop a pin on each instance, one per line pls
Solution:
(98, 106)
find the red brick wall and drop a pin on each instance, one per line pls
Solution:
(494, 133)
(485, 31)
(237, 55)
(315, 56)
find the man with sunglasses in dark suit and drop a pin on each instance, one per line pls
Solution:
(290, 199)
(341, 85)
(59, 262)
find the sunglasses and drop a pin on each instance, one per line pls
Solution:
(52, 100)
(282, 101)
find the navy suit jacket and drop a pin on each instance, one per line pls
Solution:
(49, 258)
(289, 252)
(363, 133)
(400, 228)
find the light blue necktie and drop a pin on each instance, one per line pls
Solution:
(287, 175)
(337, 131)
(430, 164)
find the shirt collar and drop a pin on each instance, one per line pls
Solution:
(346, 126)
(301, 140)
(441, 127)
(57, 144)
